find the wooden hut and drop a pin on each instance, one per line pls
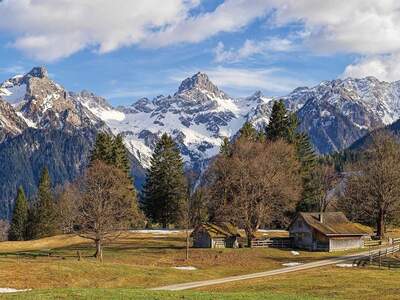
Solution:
(329, 231)
(208, 235)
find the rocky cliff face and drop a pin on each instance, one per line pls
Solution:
(337, 113)
(198, 116)
(42, 124)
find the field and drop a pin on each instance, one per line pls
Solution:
(140, 260)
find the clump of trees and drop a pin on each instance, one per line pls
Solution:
(97, 205)
(257, 181)
(372, 193)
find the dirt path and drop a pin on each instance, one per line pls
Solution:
(306, 266)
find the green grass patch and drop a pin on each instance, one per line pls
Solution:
(146, 295)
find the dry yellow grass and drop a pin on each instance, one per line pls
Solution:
(57, 241)
(327, 283)
(133, 260)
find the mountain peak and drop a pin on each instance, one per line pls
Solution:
(198, 81)
(39, 72)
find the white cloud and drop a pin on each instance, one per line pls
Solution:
(230, 16)
(368, 28)
(250, 48)
(49, 30)
(384, 67)
(243, 81)
(17, 69)
(355, 26)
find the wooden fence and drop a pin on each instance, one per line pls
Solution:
(395, 241)
(372, 243)
(272, 243)
(381, 258)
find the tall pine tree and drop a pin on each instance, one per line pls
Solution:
(45, 214)
(308, 160)
(165, 187)
(20, 217)
(103, 148)
(283, 125)
(120, 155)
(278, 123)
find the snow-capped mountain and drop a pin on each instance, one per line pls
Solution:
(337, 113)
(198, 116)
(42, 124)
(10, 123)
(41, 102)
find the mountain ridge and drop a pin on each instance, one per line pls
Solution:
(198, 116)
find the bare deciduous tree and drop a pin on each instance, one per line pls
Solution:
(4, 228)
(258, 180)
(67, 207)
(105, 204)
(373, 189)
(325, 179)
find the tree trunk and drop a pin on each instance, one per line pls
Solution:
(249, 235)
(380, 224)
(164, 224)
(187, 243)
(99, 251)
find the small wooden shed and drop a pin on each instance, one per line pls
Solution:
(329, 231)
(223, 235)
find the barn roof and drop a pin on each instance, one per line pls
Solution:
(332, 224)
(223, 229)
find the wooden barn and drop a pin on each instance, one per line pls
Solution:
(329, 231)
(208, 235)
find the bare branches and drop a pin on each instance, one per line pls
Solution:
(257, 180)
(103, 203)
(373, 189)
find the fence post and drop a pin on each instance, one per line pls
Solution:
(370, 255)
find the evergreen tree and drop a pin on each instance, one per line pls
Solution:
(248, 131)
(45, 215)
(165, 187)
(308, 160)
(278, 124)
(103, 148)
(283, 125)
(120, 155)
(20, 217)
(112, 151)
(225, 148)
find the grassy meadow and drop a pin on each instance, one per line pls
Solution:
(136, 261)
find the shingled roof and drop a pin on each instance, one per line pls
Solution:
(333, 223)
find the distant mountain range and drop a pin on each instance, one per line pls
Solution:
(42, 124)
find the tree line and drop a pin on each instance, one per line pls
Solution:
(260, 178)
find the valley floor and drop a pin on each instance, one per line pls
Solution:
(140, 260)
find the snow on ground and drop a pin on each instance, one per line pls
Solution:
(295, 253)
(292, 264)
(188, 268)
(11, 290)
(346, 265)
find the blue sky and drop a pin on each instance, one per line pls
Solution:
(124, 50)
